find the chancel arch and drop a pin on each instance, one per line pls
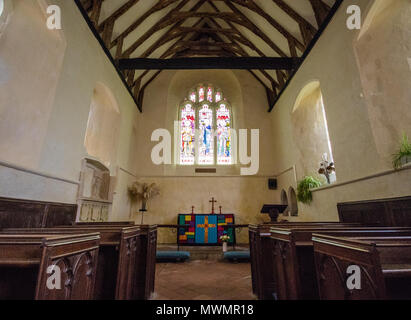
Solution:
(310, 129)
(383, 49)
(103, 125)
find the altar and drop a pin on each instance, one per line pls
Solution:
(205, 229)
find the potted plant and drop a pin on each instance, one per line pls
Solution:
(304, 194)
(403, 155)
(225, 238)
(143, 192)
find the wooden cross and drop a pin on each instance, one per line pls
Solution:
(212, 205)
(192, 210)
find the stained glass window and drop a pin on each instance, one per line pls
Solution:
(223, 135)
(206, 139)
(187, 153)
(207, 111)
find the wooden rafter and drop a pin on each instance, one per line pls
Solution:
(161, 4)
(239, 63)
(206, 38)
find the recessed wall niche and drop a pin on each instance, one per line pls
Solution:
(95, 196)
(103, 126)
(382, 49)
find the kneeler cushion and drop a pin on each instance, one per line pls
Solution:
(173, 256)
(237, 255)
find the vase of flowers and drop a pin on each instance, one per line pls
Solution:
(144, 192)
(327, 168)
(225, 239)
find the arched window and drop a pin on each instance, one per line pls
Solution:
(205, 128)
(383, 52)
(103, 126)
(310, 130)
(292, 202)
(284, 201)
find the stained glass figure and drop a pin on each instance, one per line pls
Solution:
(193, 97)
(187, 152)
(218, 97)
(201, 94)
(224, 151)
(206, 139)
(210, 94)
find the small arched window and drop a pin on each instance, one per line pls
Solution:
(103, 125)
(205, 128)
(284, 201)
(293, 204)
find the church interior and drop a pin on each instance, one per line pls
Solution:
(205, 149)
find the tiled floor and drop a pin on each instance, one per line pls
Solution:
(203, 280)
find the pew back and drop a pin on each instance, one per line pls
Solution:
(116, 273)
(294, 256)
(262, 255)
(25, 260)
(384, 263)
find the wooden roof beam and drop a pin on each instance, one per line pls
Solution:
(164, 22)
(238, 63)
(161, 4)
(251, 5)
(255, 29)
(117, 14)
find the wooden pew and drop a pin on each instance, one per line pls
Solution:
(262, 256)
(146, 256)
(385, 264)
(118, 262)
(294, 256)
(25, 258)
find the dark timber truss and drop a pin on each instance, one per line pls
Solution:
(218, 38)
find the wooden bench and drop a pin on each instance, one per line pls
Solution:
(25, 259)
(117, 273)
(146, 266)
(294, 270)
(384, 262)
(262, 256)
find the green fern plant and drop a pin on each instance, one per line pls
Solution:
(403, 152)
(304, 194)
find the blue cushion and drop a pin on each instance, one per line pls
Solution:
(237, 255)
(173, 255)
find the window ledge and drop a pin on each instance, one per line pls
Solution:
(376, 175)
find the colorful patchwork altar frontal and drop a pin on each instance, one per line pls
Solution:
(204, 229)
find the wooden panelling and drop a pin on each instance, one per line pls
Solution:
(16, 213)
(394, 212)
